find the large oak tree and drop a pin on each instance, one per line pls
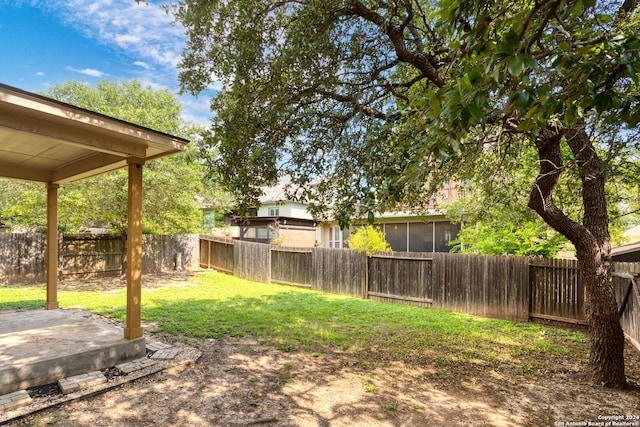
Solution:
(363, 104)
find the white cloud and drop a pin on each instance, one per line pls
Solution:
(144, 33)
(196, 110)
(40, 74)
(89, 72)
(124, 39)
(142, 64)
(141, 30)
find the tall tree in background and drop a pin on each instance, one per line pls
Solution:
(170, 185)
(370, 100)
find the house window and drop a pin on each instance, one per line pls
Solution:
(421, 237)
(396, 236)
(263, 233)
(274, 211)
(336, 239)
(444, 233)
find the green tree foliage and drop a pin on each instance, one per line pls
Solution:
(23, 203)
(371, 104)
(174, 188)
(494, 206)
(368, 239)
(497, 238)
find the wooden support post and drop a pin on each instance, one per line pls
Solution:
(133, 329)
(52, 247)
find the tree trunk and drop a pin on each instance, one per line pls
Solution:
(591, 240)
(606, 361)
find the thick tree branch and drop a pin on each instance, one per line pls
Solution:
(628, 6)
(541, 196)
(593, 174)
(395, 35)
(371, 112)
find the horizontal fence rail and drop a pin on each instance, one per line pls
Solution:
(510, 288)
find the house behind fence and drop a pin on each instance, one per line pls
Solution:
(502, 287)
(23, 255)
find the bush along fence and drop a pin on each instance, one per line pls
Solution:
(85, 255)
(511, 288)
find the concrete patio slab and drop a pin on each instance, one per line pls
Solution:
(42, 346)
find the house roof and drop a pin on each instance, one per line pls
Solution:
(625, 249)
(42, 139)
(261, 221)
(273, 195)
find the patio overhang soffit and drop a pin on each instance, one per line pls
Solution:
(45, 140)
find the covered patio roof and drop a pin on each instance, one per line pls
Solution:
(45, 140)
(52, 142)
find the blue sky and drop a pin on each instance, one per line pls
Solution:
(49, 42)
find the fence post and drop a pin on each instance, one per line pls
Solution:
(367, 285)
(209, 255)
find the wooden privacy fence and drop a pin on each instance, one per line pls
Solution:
(510, 288)
(22, 256)
(328, 270)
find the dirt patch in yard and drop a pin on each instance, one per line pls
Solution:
(242, 382)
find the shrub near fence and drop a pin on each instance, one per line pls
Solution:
(510, 288)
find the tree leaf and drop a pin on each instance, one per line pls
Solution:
(603, 102)
(515, 65)
(477, 113)
(509, 43)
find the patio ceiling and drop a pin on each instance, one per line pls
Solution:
(45, 140)
(52, 142)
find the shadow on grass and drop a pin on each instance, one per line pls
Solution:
(419, 361)
(375, 332)
(21, 304)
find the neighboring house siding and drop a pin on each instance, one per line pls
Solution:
(288, 209)
(299, 211)
(298, 237)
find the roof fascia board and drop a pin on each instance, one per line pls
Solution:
(80, 137)
(25, 173)
(35, 102)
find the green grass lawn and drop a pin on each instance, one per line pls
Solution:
(217, 305)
